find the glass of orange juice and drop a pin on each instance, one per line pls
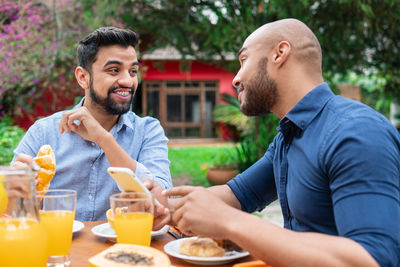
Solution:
(23, 239)
(133, 217)
(57, 213)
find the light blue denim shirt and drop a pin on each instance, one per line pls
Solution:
(82, 166)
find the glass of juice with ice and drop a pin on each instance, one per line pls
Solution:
(23, 239)
(133, 217)
(57, 213)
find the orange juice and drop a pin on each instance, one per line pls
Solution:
(58, 224)
(23, 242)
(3, 197)
(134, 228)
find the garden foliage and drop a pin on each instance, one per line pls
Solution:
(9, 138)
(255, 133)
(37, 49)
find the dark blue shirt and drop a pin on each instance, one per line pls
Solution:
(335, 168)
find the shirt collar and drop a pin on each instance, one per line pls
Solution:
(303, 113)
(123, 119)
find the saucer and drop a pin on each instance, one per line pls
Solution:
(105, 230)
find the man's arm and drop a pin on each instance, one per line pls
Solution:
(116, 155)
(153, 154)
(281, 247)
(225, 193)
(205, 212)
(90, 129)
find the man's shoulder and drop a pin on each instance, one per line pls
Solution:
(139, 121)
(347, 118)
(349, 110)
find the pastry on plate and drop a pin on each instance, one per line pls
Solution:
(201, 247)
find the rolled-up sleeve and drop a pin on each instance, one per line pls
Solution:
(255, 187)
(153, 160)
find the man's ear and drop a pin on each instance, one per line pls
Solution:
(83, 77)
(282, 52)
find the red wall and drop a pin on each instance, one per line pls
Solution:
(52, 100)
(170, 70)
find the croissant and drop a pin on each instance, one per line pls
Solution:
(201, 247)
(46, 160)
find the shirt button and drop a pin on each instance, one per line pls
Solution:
(90, 196)
(93, 143)
(93, 168)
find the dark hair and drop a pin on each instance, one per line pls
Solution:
(104, 36)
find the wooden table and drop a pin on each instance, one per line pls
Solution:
(85, 245)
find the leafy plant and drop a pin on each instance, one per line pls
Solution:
(225, 158)
(192, 163)
(229, 113)
(9, 138)
(255, 133)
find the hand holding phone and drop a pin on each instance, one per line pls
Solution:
(128, 181)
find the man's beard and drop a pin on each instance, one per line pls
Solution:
(260, 93)
(109, 105)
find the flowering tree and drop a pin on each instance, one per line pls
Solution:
(37, 40)
(23, 57)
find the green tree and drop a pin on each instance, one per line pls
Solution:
(359, 36)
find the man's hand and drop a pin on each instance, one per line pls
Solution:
(23, 161)
(83, 123)
(198, 211)
(18, 188)
(161, 212)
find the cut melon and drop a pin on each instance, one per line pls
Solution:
(130, 253)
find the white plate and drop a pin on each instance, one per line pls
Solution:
(104, 230)
(77, 226)
(172, 249)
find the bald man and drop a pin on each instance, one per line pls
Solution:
(334, 166)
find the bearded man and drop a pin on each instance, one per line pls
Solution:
(101, 131)
(334, 166)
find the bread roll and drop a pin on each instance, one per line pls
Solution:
(201, 247)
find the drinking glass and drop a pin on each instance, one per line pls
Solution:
(133, 217)
(57, 213)
(23, 239)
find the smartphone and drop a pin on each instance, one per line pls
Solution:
(128, 181)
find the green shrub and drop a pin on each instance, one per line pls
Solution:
(10, 136)
(224, 158)
(255, 133)
(192, 163)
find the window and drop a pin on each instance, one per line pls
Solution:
(184, 108)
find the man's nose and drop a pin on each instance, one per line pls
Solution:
(126, 80)
(236, 81)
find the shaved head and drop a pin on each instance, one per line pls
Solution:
(304, 44)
